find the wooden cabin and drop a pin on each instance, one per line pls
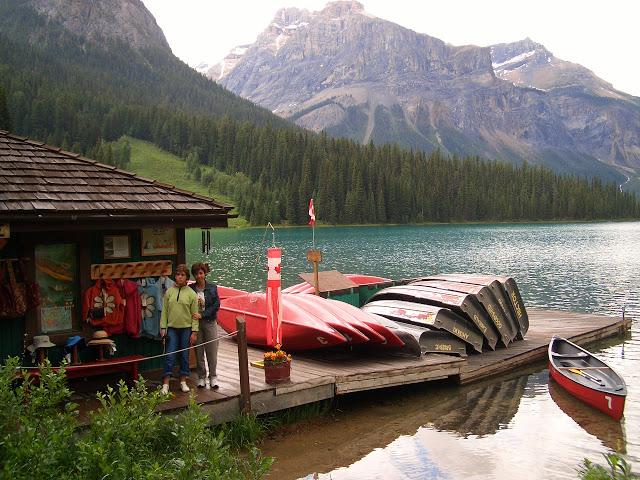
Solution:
(66, 220)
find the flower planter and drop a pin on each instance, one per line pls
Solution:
(275, 373)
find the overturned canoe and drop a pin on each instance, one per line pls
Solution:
(300, 329)
(332, 312)
(405, 333)
(587, 377)
(506, 291)
(391, 340)
(466, 306)
(353, 335)
(486, 298)
(428, 316)
(426, 340)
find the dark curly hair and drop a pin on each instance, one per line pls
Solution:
(196, 267)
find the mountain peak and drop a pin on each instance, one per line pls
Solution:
(125, 20)
(526, 63)
(342, 8)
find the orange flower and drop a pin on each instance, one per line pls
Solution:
(277, 355)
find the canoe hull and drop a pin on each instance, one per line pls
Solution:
(586, 377)
(428, 316)
(300, 330)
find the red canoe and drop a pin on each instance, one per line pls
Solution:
(322, 307)
(391, 340)
(587, 377)
(356, 278)
(300, 329)
(342, 325)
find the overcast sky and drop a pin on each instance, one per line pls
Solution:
(600, 35)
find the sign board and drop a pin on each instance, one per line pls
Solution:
(330, 281)
(5, 231)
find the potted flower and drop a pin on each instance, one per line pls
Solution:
(277, 366)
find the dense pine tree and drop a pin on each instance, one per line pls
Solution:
(83, 96)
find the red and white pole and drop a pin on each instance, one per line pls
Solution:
(274, 297)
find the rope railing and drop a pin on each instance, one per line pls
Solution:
(124, 362)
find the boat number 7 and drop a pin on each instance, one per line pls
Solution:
(608, 399)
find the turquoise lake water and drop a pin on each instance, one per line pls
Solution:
(518, 426)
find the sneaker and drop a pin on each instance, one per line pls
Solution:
(203, 383)
(213, 382)
(184, 387)
(165, 389)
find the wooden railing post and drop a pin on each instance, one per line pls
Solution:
(243, 365)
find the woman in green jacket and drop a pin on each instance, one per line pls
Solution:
(179, 323)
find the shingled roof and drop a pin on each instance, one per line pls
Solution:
(44, 183)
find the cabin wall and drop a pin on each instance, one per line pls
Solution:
(11, 329)
(16, 333)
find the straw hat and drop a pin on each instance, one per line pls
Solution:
(40, 341)
(100, 337)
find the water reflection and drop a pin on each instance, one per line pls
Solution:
(481, 411)
(609, 431)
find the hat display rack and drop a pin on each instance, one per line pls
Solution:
(39, 347)
(101, 342)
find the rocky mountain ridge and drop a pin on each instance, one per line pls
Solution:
(98, 20)
(351, 74)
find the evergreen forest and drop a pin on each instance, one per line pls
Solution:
(84, 96)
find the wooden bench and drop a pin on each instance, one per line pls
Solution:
(127, 364)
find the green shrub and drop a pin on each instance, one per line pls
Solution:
(618, 469)
(244, 431)
(126, 438)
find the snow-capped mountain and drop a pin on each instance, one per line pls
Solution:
(351, 74)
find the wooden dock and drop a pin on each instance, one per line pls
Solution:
(323, 375)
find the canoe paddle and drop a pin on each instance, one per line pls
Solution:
(586, 375)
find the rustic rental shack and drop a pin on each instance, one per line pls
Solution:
(68, 223)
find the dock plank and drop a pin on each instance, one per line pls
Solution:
(320, 375)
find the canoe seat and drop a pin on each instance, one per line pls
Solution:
(569, 355)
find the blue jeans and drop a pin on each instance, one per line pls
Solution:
(177, 339)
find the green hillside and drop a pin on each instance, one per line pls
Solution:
(150, 161)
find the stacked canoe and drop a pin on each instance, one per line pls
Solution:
(456, 313)
(452, 314)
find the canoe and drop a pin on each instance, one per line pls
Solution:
(336, 309)
(586, 377)
(404, 332)
(300, 329)
(342, 324)
(359, 279)
(433, 341)
(466, 306)
(502, 324)
(610, 432)
(506, 291)
(428, 316)
(226, 292)
(391, 340)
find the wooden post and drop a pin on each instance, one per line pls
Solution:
(75, 358)
(315, 257)
(243, 366)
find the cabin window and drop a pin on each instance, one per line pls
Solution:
(57, 278)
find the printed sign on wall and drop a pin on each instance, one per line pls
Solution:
(158, 241)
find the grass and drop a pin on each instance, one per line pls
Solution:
(150, 161)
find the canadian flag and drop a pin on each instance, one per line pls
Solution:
(312, 214)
